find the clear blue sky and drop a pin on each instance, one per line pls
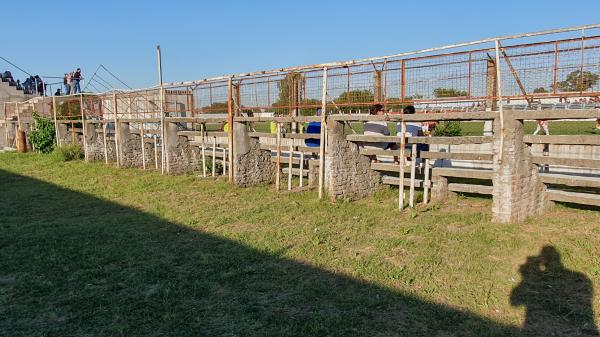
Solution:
(203, 39)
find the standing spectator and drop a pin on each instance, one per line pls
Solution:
(72, 82)
(69, 84)
(66, 84)
(39, 85)
(19, 86)
(77, 77)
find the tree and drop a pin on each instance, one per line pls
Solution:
(448, 92)
(290, 88)
(347, 99)
(540, 90)
(43, 134)
(576, 82)
(447, 129)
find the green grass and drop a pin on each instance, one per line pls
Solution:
(90, 250)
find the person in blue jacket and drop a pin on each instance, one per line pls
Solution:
(313, 127)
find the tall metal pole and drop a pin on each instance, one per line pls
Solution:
(323, 133)
(161, 109)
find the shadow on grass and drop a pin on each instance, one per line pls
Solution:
(558, 301)
(75, 265)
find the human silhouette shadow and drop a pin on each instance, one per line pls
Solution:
(558, 301)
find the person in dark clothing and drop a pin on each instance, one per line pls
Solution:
(76, 78)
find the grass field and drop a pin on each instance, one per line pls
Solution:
(90, 250)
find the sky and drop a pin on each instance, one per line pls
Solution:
(204, 39)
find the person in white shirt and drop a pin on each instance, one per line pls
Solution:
(377, 128)
(413, 129)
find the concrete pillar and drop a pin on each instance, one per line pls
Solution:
(518, 191)
(348, 173)
(439, 191)
(491, 91)
(94, 142)
(181, 156)
(251, 165)
(63, 134)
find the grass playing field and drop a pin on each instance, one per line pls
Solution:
(91, 250)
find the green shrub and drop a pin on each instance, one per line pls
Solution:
(43, 134)
(68, 152)
(447, 129)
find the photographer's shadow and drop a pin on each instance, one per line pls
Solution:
(558, 301)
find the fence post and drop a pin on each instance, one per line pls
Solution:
(117, 147)
(83, 127)
(230, 129)
(323, 134)
(56, 133)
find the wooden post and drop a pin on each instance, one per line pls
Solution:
(555, 75)
(214, 155)
(413, 164)
(83, 127)
(278, 158)
(143, 145)
(402, 160)
(224, 161)
(301, 168)
(56, 132)
(104, 130)
(427, 182)
(230, 130)
(117, 149)
(203, 149)
(156, 152)
(323, 134)
(403, 81)
(378, 86)
(290, 164)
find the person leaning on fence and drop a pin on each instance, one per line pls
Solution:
(378, 128)
(542, 124)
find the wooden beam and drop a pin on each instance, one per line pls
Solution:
(570, 180)
(470, 188)
(573, 162)
(562, 140)
(463, 173)
(574, 197)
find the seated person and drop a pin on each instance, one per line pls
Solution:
(377, 128)
(413, 129)
(313, 127)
